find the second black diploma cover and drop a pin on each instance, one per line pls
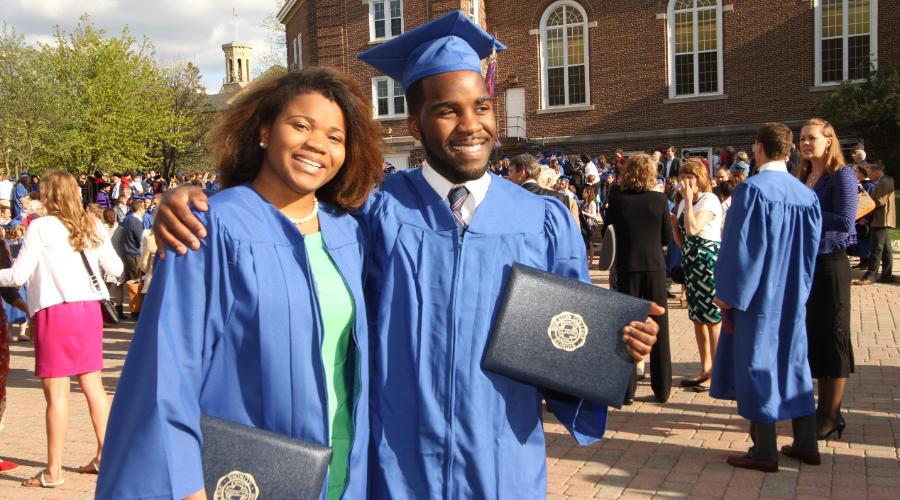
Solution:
(564, 335)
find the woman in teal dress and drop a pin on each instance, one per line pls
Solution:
(265, 324)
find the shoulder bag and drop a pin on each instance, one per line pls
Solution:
(110, 316)
(864, 203)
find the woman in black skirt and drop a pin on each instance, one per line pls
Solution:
(640, 216)
(823, 169)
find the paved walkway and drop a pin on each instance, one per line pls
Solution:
(674, 450)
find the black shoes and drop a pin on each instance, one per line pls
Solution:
(807, 457)
(837, 427)
(748, 462)
(691, 382)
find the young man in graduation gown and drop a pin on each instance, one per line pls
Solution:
(763, 279)
(441, 240)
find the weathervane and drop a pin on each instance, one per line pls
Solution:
(234, 15)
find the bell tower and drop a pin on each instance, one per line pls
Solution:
(237, 66)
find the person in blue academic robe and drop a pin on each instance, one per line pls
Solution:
(229, 331)
(763, 278)
(265, 324)
(443, 427)
(441, 241)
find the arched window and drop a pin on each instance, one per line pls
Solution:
(564, 55)
(846, 41)
(695, 47)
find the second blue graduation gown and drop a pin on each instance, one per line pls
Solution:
(233, 330)
(443, 427)
(764, 272)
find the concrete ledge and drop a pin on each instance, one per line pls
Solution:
(670, 133)
(697, 98)
(566, 109)
(403, 140)
(824, 88)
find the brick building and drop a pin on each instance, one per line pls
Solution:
(592, 75)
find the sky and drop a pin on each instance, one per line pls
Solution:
(181, 30)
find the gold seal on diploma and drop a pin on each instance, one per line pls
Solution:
(567, 331)
(236, 485)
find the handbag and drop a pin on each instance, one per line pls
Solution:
(864, 203)
(110, 315)
(135, 297)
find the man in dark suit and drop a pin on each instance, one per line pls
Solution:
(671, 165)
(524, 170)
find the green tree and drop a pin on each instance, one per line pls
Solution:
(114, 98)
(89, 101)
(29, 102)
(182, 146)
(872, 110)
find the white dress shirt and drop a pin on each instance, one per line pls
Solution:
(777, 166)
(477, 190)
(54, 271)
(589, 170)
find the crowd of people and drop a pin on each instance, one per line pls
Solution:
(44, 226)
(315, 297)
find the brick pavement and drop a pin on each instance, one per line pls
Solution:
(674, 450)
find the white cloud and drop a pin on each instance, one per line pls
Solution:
(181, 30)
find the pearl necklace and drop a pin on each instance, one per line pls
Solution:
(311, 216)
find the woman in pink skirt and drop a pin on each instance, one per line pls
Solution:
(65, 309)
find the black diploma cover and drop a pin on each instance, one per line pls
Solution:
(249, 463)
(564, 335)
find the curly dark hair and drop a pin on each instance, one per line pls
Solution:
(234, 140)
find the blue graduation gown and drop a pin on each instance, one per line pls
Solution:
(233, 330)
(442, 427)
(764, 272)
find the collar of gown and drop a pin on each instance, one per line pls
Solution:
(505, 208)
(477, 189)
(337, 228)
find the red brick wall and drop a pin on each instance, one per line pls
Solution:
(768, 53)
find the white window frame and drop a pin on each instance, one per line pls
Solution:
(474, 11)
(392, 114)
(387, 21)
(297, 61)
(873, 41)
(670, 45)
(545, 87)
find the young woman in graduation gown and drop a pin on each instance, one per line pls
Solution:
(265, 324)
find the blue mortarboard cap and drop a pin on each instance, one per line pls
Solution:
(449, 43)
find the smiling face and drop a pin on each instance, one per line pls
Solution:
(305, 146)
(455, 124)
(813, 143)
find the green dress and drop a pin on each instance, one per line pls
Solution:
(338, 314)
(699, 257)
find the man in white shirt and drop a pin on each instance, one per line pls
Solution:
(591, 174)
(116, 187)
(6, 189)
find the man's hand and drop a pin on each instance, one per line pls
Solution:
(640, 336)
(721, 304)
(174, 224)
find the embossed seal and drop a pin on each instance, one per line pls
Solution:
(236, 485)
(567, 331)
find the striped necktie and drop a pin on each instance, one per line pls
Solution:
(457, 197)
